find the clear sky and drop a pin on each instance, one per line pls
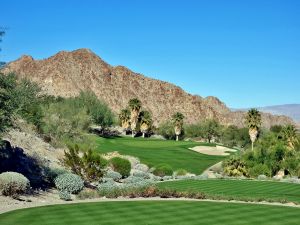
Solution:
(247, 53)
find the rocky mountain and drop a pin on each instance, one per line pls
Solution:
(290, 110)
(67, 73)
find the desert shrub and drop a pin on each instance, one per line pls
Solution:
(52, 173)
(99, 111)
(262, 177)
(19, 98)
(113, 175)
(109, 189)
(181, 172)
(12, 184)
(133, 179)
(234, 166)
(87, 194)
(166, 130)
(128, 189)
(259, 169)
(121, 166)
(163, 170)
(142, 167)
(193, 130)
(141, 174)
(165, 178)
(90, 166)
(69, 182)
(63, 119)
(64, 195)
(203, 176)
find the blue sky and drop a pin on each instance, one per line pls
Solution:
(247, 53)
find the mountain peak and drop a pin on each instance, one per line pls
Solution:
(67, 73)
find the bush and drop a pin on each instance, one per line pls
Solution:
(90, 166)
(65, 195)
(260, 169)
(63, 120)
(69, 182)
(142, 167)
(165, 178)
(203, 176)
(166, 130)
(181, 172)
(141, 174)
(135, 187)
(52, 173)
(132, 180)
(121, 166)
(109, 189)
(87, 194)
(262, 177)
(163, 170)
(113, 175)
(12, 184)
(234, 166)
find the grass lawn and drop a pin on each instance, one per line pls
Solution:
(154, 212)
(153, 152)
(239, 188)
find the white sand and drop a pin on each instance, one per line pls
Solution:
(218, 150)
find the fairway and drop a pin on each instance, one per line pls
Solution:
(153, 152)
(239, 188)
(154, 212)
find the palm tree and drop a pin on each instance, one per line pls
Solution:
(146, 121)
(289, 134)
(177, 120)
(253, 121)
(124, 118)
(135, 107)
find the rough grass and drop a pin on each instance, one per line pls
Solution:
(239, 189)
(154, 212)
(153, 152)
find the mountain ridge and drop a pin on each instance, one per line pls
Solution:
(290, 110)
(67, 73)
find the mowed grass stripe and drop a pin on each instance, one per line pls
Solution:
(154, 213)
(153, 152)
(239, 188)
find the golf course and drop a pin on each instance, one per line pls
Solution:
(251, 190)
(154, 212)
(153, 152)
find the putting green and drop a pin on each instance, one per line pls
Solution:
(153, 152)
(245, 189)
(154, 212)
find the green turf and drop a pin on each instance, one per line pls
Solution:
(154, 212)
(239, 188)
(153, 152)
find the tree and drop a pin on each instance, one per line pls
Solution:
(177, 120)
(146, 121)
(135, 107)
(124, 118)
(289, 134)
(2, 33)
(7, 103)
(99, 111)
(253, 121)
(211, 129)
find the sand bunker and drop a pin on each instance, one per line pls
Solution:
(218, 150)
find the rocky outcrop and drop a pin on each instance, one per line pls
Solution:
(67, 73)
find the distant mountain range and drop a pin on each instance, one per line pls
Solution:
(290, 110)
